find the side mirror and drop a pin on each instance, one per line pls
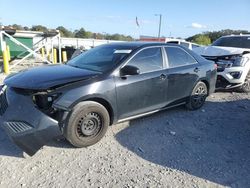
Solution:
(129, 70)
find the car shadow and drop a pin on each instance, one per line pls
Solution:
(209, 143)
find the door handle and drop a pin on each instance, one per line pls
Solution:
(196, 69)
(163, 77)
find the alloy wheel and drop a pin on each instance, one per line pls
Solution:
(199, 96)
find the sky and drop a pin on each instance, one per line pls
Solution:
(180, 18)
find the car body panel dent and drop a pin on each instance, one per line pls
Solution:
(232, 56)
(58, 88)
(27, 126)
(219, 51)
(46, 77)
(102, 89)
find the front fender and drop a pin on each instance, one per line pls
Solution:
(104, 90)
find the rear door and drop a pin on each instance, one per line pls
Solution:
(137, 94)
(183, 72)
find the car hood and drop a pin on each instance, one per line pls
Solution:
(48, 76)
(219, 51)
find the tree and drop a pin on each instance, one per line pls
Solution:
(17, 27)
(80, 33)
(26, 28)
(64, 32)
(214, 35)
(39, 28)
(202, 39)
(88, 34)
(118, 37)
(98, 36)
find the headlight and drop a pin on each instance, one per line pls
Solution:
(240, 61)
(45, 100)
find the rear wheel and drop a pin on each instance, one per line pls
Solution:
(246, 85)
(87, 124)
(198, 96)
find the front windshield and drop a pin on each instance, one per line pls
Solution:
(101, 58)
(234, 41)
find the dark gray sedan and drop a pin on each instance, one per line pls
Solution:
(105, 85)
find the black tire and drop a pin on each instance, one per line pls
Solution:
(87, 124)
(246, 86)
(198, 96)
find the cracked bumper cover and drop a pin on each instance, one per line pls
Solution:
(27, 126)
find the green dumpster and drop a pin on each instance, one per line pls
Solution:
(17, 50)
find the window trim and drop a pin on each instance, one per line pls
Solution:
(162, 54)
(168, 67)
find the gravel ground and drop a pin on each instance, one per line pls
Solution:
(174, 148)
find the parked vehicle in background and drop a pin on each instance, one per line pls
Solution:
(232, 55)
(184, 43)
(181, 42)
(105, 85)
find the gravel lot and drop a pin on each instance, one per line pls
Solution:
(174, 148)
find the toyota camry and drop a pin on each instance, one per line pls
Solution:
(108, 84)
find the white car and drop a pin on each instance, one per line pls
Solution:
(232, 56)
(184, 43)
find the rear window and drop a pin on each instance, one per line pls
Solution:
(178, 57)
(237, 42)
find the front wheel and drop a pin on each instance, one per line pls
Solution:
(86, 124)
(198, 96)
(246, 85)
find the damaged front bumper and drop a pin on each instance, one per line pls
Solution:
(232, 77)
(232, 70)
(27, 126)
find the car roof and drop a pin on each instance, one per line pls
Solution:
(139, 44)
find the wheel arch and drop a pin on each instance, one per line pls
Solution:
(106, 104)
(201, 80)
(207, 84)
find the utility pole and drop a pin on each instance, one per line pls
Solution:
(159, 32)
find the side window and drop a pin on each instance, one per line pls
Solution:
(148, 60)
(178, 57)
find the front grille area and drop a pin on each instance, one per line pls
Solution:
(18, 127)
(221, 61)
(221, 82)
(3, 101)
(220, 68)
